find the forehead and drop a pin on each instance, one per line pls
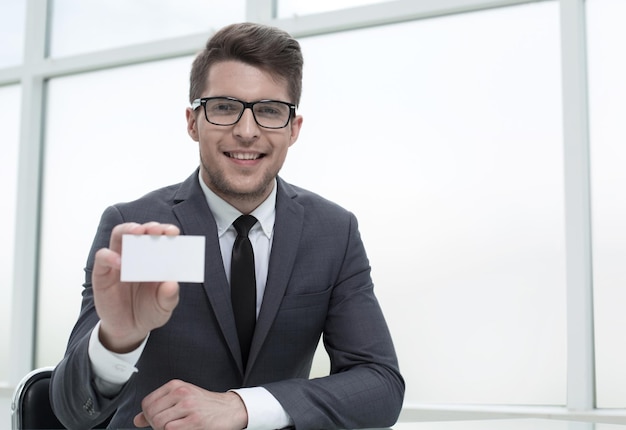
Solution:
(244, 81)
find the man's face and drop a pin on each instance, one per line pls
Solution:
(239, 162)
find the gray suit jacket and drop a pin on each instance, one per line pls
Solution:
(318, 284)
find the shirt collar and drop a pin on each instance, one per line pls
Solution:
(224, 213)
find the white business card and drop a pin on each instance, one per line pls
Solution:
(161, 258)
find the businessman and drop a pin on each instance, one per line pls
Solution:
(215, 355)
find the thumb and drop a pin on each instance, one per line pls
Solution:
(140, 420)
(167, 296)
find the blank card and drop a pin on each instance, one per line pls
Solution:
(148, 258)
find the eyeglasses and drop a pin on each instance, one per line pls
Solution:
(229, 110)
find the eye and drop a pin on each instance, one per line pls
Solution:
(265, 110)
(270, 109)
(223, 107)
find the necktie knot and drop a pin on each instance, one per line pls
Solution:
(243, 224)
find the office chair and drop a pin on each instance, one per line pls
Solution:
(31, 408)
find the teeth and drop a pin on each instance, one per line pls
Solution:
(243, 156)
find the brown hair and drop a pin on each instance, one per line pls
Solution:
(262, 46)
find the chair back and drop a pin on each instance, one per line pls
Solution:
(31, 408)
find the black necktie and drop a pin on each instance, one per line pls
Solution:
(243, 284)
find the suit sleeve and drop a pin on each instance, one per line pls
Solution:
(74, 396)
(365, 387)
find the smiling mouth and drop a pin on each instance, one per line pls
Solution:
(243, 155)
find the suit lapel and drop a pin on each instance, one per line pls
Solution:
(194, 215)
(287, 232)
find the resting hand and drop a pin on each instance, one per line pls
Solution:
(129, 311)
(180, 405)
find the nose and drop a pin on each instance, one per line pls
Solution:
(247, 128)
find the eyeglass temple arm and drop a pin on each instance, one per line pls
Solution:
(196, 104)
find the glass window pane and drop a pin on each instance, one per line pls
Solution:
(127, 138)
(79, 26)
(9, 136)
(291, 8)
(607, 94)
(455, 132)
(12, 22)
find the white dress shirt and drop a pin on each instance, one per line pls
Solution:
(264, 411)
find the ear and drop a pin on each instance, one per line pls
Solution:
(296, 125)
(192, 124)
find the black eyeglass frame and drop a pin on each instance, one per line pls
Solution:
(246, 105)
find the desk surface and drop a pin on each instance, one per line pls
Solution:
(506, 424)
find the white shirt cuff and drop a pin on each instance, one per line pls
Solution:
(109, 366)
(264, 411)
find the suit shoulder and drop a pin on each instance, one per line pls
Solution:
(314, 203)
(156, 205)
(165, 195)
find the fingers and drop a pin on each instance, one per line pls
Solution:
(108, 259)
(115, 243)
(151, 228)
(162, 392)
(158, 407)
(181, 405)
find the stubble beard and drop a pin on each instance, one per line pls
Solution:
(220, 185)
